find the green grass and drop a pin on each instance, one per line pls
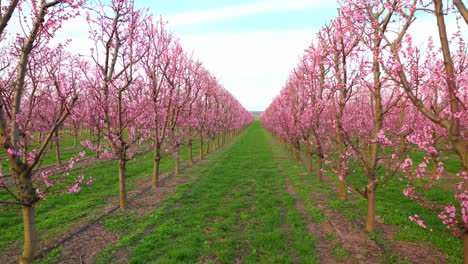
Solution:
(59, 212)
(236, 208)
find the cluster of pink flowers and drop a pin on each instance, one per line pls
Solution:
(415, 218)
(407, 163)
(383, 139)
(410, 192)
(449, 219)
(75, 188)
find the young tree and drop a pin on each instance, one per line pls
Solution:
(435, 83)
(116, 30)
(38, 28)
(372, 22)
(195, 79)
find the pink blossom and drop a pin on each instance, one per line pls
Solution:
(417, 220)
(74, 188)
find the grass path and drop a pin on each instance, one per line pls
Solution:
(236, 210)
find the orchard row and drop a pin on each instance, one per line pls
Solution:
(138, 90)
(365, 94)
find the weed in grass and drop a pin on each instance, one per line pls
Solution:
(339, 252)
(120, 221)
(52, 257)
(329, 237)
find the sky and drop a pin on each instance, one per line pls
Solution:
(250, 46)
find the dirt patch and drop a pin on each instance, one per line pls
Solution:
(85, 246)
(154, 196)
(410, 251)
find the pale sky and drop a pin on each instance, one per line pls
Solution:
(251, 46)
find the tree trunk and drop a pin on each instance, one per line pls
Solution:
(177, 163)
(29, 224)
(309, 157)
(75, 138)
(122, 187)
(465, 247)
(75, 134)
(370, 221)
(190, 154)
(98, 142)
(156, 162)
(57, 148)
(208, 143)
(319, 167)
(342, 190)
(297, 154)
(201, 147)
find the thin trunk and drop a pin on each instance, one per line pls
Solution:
(342, 190)
(201, 147)
(190, 154)
(75, 135)
(156, 162)
(319, 167)
(402, 146)
(208, 143)
(373, 150)
(177, 163)
(29, 225)
(370, 221)
(98, 142)
(297, 154)
(57, 148)
(75, 140)
(122, 187)
(465, 247)
(341, 153)
(309, 157)
(464, 158)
